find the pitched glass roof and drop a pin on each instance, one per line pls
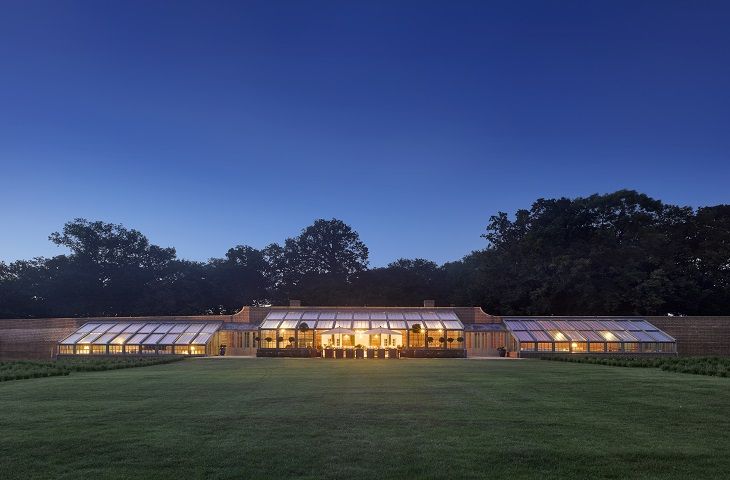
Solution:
(591, 330)
(140, 333)
(363, 319)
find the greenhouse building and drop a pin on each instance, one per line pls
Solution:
(366, 332)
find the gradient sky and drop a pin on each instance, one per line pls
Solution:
(211, 124)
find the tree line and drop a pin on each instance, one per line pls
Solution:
(622, 253)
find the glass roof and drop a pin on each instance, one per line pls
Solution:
(137, 333)
(591, 330)
(362, 319)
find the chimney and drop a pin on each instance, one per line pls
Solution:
(295, 303)
(429, 303)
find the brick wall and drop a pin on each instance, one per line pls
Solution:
(34, 338)
(697, 335)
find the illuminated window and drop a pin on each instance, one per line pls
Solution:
(132, 349)
(66, 349)
(631, 347)
(197, 350)
(82, 349)
(578, 347)
(98, 349)
(182, 349)
(596, 347)
(115, 349)
(544, 347)
(148, 349)
(613, 347)
(562, 347)
(527, 346)
(165, 350)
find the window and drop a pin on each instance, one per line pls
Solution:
(596, 347)
(82, 349)
(197, 349)
(66, 350)
(131, 349)
(148, 349)
(578, 347)
(631, 347)
(98, 349)
(544, 347)
(613, 347)
(562, 347)
(182, 350)
(527, 346)
(115, 349)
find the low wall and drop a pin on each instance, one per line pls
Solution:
(37, 338)
(696, 335)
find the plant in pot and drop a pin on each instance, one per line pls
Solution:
(416, 329)
(359, 351)
(268, 341)
(450, 340)
(291, 341)
(442, 341)
(502, 351)
(303, 329)
(460, 339)
(429, 340)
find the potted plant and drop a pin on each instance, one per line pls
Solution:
(429, 340)
(291, 341)
(442, 341)
(450, 340)
(502, 351)
(349, 353)
(303, 329)
(460, 339)
(371, 353)
(329, 352)
(416, 329)
(359, 351)
(268, 341)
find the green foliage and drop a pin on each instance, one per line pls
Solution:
(622, 253)
(617, 254)
(716, 366)
(26, 369)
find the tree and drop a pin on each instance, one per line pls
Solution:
(108, 270)
(239, 279)
(620, 253)
(327, 252)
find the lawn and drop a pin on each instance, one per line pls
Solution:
(347, 419)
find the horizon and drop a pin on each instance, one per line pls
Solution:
(206, 127)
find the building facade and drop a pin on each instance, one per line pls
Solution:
(354, 332)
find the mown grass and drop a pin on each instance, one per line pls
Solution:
(717, 366)
(27, 369)
(348, 419)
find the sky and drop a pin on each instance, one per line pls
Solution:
(208, 124)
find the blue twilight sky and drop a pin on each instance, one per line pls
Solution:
(210, 124)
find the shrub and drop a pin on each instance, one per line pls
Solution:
(717, 366)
